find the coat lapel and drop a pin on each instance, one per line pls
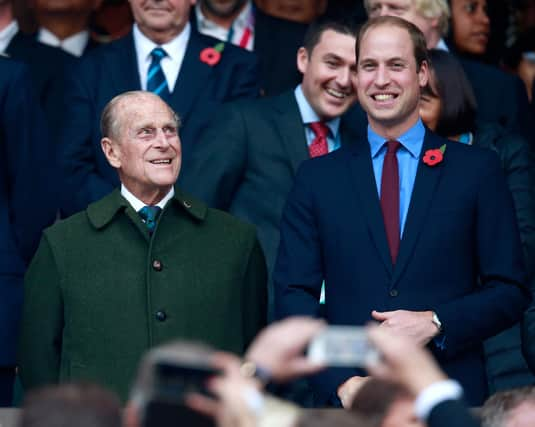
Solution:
(361, 169)
(288, 123)
(425, 184)
(192, 78)
(123, 65)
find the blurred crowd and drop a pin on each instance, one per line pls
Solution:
(194, 170)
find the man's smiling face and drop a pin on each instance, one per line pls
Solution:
(329, 74)
(388, 79)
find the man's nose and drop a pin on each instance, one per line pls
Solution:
(382, 77)
(343, 77)
(161, 139)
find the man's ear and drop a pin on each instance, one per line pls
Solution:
(423, 74)
(302, 59)
(111, 151)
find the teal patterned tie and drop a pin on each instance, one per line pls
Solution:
(156, 81)
(149, 215)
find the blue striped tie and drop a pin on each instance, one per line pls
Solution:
(156, 81)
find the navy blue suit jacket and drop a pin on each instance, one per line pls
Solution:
(27, 203)
(460, 253)
(112, 69)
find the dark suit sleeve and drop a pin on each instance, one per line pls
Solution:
(255, 293)
(497, 303)
(216, 167)
(42, 320)
(528, 336)
(451, 413)
(82, 182)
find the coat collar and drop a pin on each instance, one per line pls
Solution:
(102, 212)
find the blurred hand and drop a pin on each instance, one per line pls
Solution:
(403, 361)
(279, 348)
(347, 391)
(416, 325)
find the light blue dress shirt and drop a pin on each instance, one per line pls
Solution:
(408, 156)
(308, 115)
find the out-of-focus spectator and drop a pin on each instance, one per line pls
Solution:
(520, 59)
(510, 408)
(470, 26)
(243, 24)
(194, 73)
(448, 107)
(386, 403)
(524, 14)
(304, 11)
(143, 265)
(112, 20)
(28, 202)
(65, 24)
(67, 405)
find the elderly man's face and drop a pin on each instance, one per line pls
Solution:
(161, 20)
(147, 152)
(389, 80)
(329, 74)
(405, 9)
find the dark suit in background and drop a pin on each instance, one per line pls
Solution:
(27, 203)
(112, 69)
(460, 227)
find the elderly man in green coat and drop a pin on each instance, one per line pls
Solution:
(144, 265)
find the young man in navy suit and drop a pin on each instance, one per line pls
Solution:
(406, 228)
(193, 73)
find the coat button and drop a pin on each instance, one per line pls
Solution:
(157, 265)
(161, 316)
(394, 292)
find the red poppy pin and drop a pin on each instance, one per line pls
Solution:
(435, 156)
(212, 55)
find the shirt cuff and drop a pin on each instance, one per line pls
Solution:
(434, 394)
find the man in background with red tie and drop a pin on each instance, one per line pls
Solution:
(405, 228)
(245, 162)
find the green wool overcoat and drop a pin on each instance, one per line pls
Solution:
(100, 290)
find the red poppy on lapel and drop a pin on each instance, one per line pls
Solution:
(212, 55)
(435, 156)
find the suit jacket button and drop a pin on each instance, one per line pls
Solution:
(161, 316)
(394, 292)
(157, 265)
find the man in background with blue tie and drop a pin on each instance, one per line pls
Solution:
(192, 72)
(406, 228)
(144, 265)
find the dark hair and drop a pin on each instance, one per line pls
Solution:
(374, 399)
(458, 102)
(498, 407)
(417, 37)
(66, 405)
(344, 25)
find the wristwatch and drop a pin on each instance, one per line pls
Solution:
(436, 321)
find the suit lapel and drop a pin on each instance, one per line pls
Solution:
(287, 121)
(361, 169)
(192, 78)
(425, 184)
(123, 65)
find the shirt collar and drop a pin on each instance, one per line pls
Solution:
(7, 34)
(412, 140)
(138, 204)
(441, 45)
(74, 44)
(174, 48)
(308, 115)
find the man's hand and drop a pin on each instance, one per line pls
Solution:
(402, 361)
(279, 348)
(416, 325)
(347, 391)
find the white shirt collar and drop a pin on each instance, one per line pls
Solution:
(75, 44)
(244, 20)
(7, 34)
(137, 204)
(176, 49)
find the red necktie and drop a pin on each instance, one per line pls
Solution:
(390, 198)
(319, 147)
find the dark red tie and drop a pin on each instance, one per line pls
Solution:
(390, 197)
(319, 147)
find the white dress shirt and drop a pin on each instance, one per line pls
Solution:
(171, 64)
(75, 44)
(7, 34)
(434, 394)
(138, 204)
